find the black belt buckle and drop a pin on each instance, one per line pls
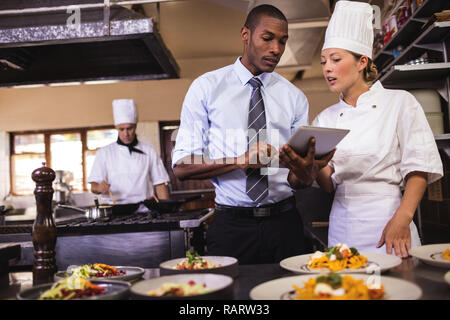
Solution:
(262, 212)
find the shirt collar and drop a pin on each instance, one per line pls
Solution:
(374, 88)
(245, 75)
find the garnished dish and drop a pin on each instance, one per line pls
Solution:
(71, 288)
(195, 262)
(446, 254)
(336, 287)
(337, 258)
(183, 289)
(433, 254)
(96, 270)
(184, 286)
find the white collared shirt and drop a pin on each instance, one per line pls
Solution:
(214, 122)
(389, 137)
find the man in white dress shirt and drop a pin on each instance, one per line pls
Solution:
(212, 143)
(130, 169)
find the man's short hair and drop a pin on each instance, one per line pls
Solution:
(262, 10)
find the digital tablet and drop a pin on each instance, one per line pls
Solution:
(326, 139)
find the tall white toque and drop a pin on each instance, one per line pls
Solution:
(124, 111)
(351, 28)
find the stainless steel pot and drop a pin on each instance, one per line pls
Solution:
(97, 212)
(101, 212)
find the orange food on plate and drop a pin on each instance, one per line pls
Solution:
(336, 287)
(446, 254)
(337, 258)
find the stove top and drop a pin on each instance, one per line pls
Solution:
(135, 222)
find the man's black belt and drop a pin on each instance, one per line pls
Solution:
(259, 212)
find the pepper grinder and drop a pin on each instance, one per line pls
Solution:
(44, 228)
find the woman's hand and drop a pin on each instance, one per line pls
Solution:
(397, 235)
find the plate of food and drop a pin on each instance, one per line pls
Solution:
(76, 288)
(341, 259)
(433, 254)
(335, 286)
(195, 263)
(194, 286)
(101, 271)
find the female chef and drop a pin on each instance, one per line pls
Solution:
(390, 145)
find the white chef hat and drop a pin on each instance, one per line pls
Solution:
(124, 111)
(350, 28)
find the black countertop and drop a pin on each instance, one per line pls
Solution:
(429, 278)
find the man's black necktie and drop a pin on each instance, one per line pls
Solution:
(131, 146)
(257, 183)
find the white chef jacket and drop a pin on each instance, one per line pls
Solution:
(131, 176)
(389, 137)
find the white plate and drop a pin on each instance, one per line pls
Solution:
(114, 290)
(228, 266)
(221, 286)
(131, 273)
(447, 277)
(375, 262)
(432, 254)
(282, 289)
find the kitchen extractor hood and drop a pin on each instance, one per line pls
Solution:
(79, 45)
(307, 22)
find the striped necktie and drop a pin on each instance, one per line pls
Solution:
(257, 184)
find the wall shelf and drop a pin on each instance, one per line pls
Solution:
(420, 36)
(409, 31)
(410, 74)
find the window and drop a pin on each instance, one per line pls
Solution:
(69, 150)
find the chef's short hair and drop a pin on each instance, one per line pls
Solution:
(262, 10)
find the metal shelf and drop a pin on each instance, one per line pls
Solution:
(431, 6)
(408, 32)
(405, 75)
(430, 39)
(437, 32)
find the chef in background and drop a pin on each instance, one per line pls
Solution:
(390, 146)
(128, 169)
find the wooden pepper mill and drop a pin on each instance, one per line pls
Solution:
(44, 228)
